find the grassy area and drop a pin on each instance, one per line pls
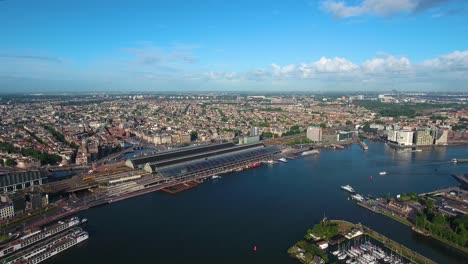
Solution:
(3, 237)
(344, 226)
(323, 230)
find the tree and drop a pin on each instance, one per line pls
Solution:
(348, 122)
(267, 135)
(2, 163)
(10, 162)
(430, 205)
(193, 135)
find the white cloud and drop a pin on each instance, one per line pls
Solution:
(387, 64)
(455, 61)
(341, 9)
(285, 71)
(335, 65)
(379, 70)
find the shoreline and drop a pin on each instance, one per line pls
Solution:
(415, 229)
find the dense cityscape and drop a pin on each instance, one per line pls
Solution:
(106, 148)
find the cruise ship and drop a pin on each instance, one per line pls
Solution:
(348, 188)
(37, 236)
(49, 248)
(310, 152)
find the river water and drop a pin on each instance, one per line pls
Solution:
(270, 207)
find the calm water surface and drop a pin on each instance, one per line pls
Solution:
(270, 207)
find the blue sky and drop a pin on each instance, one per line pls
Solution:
(233, 45)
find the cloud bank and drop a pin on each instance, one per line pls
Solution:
(341, 9)
(152, 68)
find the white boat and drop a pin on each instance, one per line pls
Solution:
(84, 220)
(310, 152)
(283, 160)
(270, 162)
(357, 197)
(342, 256)
(348, 188)
(215, 177)
(383, 173)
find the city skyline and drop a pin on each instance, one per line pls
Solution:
(122, 46)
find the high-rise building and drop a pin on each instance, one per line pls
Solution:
(405, 137)
(254, 131)
(19, 202)
(36, 200)
(314, 134)
(423, 137)
(440, 136)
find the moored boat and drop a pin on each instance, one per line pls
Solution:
(348, 188)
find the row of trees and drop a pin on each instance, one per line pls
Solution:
(450, 228)
(60, 137)
(294, 130)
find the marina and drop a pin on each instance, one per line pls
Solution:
(345, 242)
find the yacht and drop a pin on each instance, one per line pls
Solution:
(282, 160)
(348, 188)
(383, 173)
(357, 197)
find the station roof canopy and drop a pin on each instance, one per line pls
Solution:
(173, 154)
(191, 167)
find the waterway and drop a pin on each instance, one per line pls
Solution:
(270, 207)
